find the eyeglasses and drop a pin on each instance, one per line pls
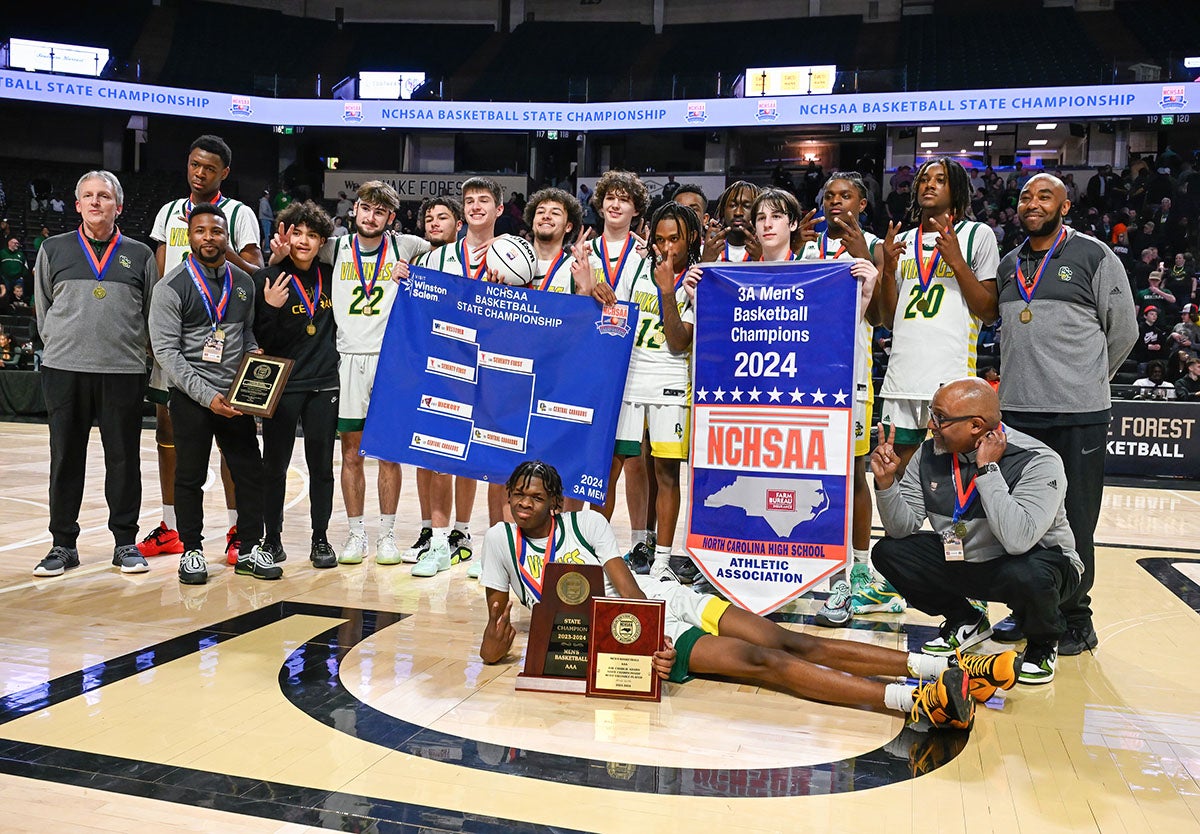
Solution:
(940, 420)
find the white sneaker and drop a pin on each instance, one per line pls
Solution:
(661, 568)
(413, 554)
(355, 549)
(434, 560)
(958, 637)
(386, 550)
(475, 569)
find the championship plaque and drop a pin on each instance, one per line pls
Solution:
(258, 384)
(556, 657)
(625, 635)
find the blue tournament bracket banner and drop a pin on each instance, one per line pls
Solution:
(772, 443)
(475, 377)
(925, 107)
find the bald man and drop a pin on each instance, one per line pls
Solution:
(1069, 323)
(995, 499)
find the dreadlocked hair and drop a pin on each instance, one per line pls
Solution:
(530, 469)
(956, 179)
(689, 225)
(723, 200)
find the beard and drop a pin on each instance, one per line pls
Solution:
(1047, 228)
(939, 447)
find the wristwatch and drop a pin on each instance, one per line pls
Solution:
(990, 468)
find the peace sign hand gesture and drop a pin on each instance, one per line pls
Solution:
(276, 292)
(884, 460)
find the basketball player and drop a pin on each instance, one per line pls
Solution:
(692, 196)
(555, 217)
(944, 288)
(364, 289)
(201, 325)
(843, 200)
(657, 387)
(708, 636)
(294, 319)
(466, 257)
(732, 238)
(207, 167)
(612, 258)
(442, 220)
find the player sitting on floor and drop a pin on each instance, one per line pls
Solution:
(708, 636)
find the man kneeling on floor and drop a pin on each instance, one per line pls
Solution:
(994, 498)
(708, 636)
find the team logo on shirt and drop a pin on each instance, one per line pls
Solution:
(697, 112)
(614, 320)
(1173, 97)
(240, 106)
(352, 111)
(1064, 273)
(768, 110)
(241, 293)
(124, 261)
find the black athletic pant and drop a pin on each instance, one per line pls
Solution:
(195, 427)
(1033, 584)
(73, 401)
(1082, 450)
(317, 412)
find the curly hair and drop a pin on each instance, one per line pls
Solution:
(621, 182)
(309, 214)
(688, 223)
(556, 195)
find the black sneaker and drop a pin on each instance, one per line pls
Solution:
(322, 556)
(640, 558)
(1008, 630)
(129, 559)
(274, 550)
(259, 564)
(193, 570)
(460, 547)
(1077, 640)
(57, 562)
(413, 554)
(684, 568)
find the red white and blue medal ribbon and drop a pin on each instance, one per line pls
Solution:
(216, 309)
(963, 498)
(368, 287)
(1028, 286)
(534, 583)
(464, 257)
(310, 304)
(554, 265)
(745, 255)
(925, 269)
(825, 246)
(613, 277)
(99, 265)
(189, 205)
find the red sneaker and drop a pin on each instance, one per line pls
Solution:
(161, 541)
(232, 545)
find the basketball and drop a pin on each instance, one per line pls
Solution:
(513, 259)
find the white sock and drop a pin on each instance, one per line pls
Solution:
(639, 536)
(232, 516)
(463, 527)
(427, 523)
(899, 696)
(169, 515)
(357, 525)
(926, 667)
(441, 535)
(662, 554)
(861, 556)
(387, 523)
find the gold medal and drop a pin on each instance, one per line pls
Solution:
(1026, 316)
(219, 335)
(923, 304)
(311, 330)
(367, 311)
(99, 292)
(960, 529)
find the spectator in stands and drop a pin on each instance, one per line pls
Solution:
(1018, 177)
(1139, 274)
(282, 199)
(1159, 187)
(40, 239)
(903, 176)
(12, 263)
(10, 352)
(1187, 387)
(266, 215)
(897, 201)
(344, 205)
(1072, 188)
(339, 227)
(19, 302)
(5, 229)
(57, 205)
(39, 190)
(3, 198)
(1154, 384)
(1156, 294)
(1181, 279)
(1186, 334)
(1152, 337)
(991, 375)
(1100, 188)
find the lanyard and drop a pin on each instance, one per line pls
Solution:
(464, 257)
(1027, 286)
(535, 583)
(188, 206)
(745, 255)
(925, 269)
(368, 288)
(99, 265)
(614, 277)
(554, 265)
(216, 310)
(310, 304)
(825, 245)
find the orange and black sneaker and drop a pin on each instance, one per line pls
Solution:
(988, 672)
(232, 545)
(946, 702)
(161, 541)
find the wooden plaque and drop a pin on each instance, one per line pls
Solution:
(259, 383)
(625, 635)
(556, 657)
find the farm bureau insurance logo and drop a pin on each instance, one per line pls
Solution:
(614, 320)
(240, 106)
(1173, 97)
(352, 111)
